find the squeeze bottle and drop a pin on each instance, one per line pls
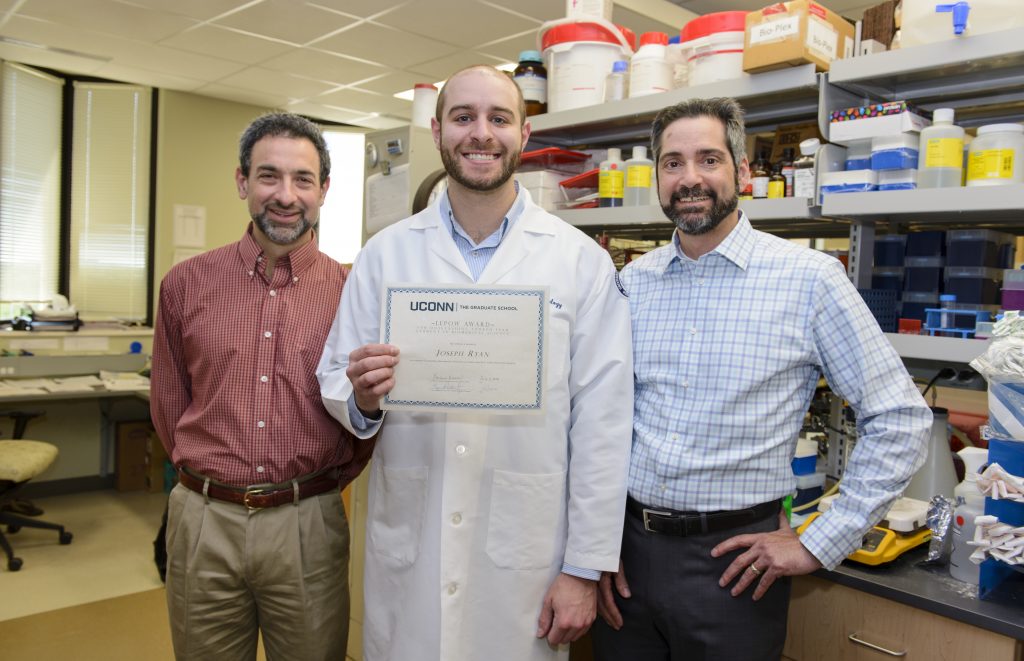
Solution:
(970, 503)
(940, 153)
(611, 179)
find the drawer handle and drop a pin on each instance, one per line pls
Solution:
(854, 639)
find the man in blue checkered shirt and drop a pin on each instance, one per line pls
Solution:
(732, 329)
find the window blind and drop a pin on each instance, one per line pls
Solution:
(110, 200)
(30, 181)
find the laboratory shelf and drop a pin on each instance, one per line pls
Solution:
(782, 96)
(981, 205)
(953, 350)
(981, 76)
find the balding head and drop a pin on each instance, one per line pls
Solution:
(489, 70)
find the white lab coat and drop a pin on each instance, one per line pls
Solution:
(471, 515)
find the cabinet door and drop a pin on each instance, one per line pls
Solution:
(823, 615)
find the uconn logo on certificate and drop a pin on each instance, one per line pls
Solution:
(431, 306)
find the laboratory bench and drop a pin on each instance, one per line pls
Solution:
(905, 608)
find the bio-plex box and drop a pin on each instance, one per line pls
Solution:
(788, 34)
(875, 120)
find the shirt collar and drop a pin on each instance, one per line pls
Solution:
(298, 259)
(737, 247)
(514, 212)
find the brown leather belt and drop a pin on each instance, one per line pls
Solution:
(261, 496)
(684, 524)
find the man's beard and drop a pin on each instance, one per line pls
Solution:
(282, 235)
(702, 224)
(453, 166)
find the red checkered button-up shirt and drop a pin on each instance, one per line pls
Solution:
(234, 394)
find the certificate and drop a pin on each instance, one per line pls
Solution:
(466, 347)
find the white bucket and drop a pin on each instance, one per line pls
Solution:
(578, 57)
(714, 45)
(923, 25)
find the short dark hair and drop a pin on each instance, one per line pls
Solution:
(288, 125)
(520, 102)
(724, 109)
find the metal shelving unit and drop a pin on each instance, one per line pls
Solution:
(982, 206)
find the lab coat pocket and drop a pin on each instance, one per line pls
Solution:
(396, 512)
(523, 526)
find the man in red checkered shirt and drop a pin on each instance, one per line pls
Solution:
(257, 538)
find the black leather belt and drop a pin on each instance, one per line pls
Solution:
(262, 496)
(683, 524)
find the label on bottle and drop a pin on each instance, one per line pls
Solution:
(534, 87)
(776, 189)
(944, 153)
(638, 176)
(760, 187)
(787, 173)
(610, 183)
(990, 164)
(803, 183)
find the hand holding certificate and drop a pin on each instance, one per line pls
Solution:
(466, 347)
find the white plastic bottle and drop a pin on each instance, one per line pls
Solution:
(611, 179)
(649, 68)
(970, 503)
(805, 178)
(940, 153)
(638, 178)
(616, 84)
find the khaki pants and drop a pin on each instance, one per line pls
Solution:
(232, 572)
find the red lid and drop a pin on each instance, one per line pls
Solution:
(569, 32)
(629, 35)
(657, 38)
(423, 86)
(722, 21)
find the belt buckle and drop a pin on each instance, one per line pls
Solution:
(253, 491)
(647, 520)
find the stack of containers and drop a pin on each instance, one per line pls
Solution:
(923, 265)
(974, 271)
(810, 482)
(887, 274)
(1013, 289)
(894, 161)
(714, 46)
(578, 58)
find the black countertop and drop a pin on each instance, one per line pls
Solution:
(906, 580)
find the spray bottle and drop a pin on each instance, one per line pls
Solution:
(638, 178)
(970, 503)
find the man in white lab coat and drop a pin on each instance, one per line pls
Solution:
(486, 532)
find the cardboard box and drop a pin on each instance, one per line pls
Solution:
(132, 438)
(788, 34)
(874, 120)
(790, 136)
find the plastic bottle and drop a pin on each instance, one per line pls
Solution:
(759, 176)
(940, 152)
(532, 78)
(804, 173)
(638, 178)
(937, 476)
(616, 85)
(786, 168)
(970, 503)
(649, 69)
(776, 184)
(995, 156)
(611, 179)
(947, 302)
(677, 55)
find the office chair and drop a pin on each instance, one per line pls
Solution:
(20, 461)
(21, 418)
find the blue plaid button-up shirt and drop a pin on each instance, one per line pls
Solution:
(727, 353)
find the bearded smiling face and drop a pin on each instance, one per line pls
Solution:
(688, 209)
(452, 157)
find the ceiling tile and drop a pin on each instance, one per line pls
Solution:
(539, 10)
(50, 60)
(201, 10)
(45, 33)
(228, 44)
(290, 20)
(318, 111)
(398, 81)
(109, 17)
(256, 79)
(361, 8)
(508, 50)
(476, 23)
(441, 68)
(142, 76)
(172, 61)
(367, 102)
(323, 66)
(262, 100)
(385, 45)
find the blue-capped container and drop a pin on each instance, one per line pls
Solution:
(895, 152)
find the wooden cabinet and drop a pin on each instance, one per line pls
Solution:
(827, 619)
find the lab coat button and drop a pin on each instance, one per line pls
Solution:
(456, 518)
(261, 424)
(452, 588)
(460, 449)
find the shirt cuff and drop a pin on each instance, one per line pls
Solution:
(360, 422)
(580, 572)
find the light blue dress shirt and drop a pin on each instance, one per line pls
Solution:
(728, 350)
